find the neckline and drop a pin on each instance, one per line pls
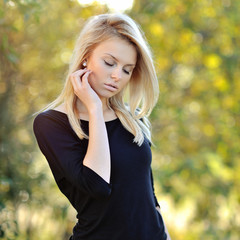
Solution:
(82, 120)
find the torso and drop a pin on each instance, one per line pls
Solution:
(101, 214)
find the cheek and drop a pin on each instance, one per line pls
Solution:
(97, 65)
(94, 74)
(99, 70)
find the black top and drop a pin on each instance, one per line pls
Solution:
(125, 208)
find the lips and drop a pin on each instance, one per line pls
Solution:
(112, 85)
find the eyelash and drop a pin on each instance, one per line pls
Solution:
(110, 65)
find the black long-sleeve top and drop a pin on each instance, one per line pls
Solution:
(125, 208)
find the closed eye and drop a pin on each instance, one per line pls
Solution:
(109, 64)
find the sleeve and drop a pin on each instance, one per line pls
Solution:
(155, 198)
(64, 152)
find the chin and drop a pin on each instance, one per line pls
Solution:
(107, 94)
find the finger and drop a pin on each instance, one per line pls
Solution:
(76, 82)
(76, 78)
(85, 78)
(79, 72)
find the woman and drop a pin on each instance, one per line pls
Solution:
(98, 147)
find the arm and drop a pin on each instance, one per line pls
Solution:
(65, 153)
(88, 171)
(98, 154)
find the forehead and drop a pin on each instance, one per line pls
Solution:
(119, 48)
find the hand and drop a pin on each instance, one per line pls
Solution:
(83, 90)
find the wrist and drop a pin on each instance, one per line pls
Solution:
(95, 111)
(95, 108)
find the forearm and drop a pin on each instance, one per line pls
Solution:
(168, 236)
(98, 154)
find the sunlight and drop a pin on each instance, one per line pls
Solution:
(114, 5)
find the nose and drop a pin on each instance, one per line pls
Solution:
(116, 74)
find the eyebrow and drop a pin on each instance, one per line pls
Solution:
(117, 59)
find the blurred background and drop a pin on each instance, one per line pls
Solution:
(196, 160)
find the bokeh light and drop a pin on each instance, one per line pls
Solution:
(115, 6)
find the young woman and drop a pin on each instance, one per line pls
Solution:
(98, 146)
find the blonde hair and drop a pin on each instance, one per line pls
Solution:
(143, 85)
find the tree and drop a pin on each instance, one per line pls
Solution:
(196, 121)
(37, 38)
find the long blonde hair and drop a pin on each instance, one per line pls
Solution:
(143, 85)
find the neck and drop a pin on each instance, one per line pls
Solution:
(82, 109)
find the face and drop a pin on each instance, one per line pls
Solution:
(112, 63)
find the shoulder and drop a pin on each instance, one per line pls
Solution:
(49, 120)
(46, 116)
(58, 113)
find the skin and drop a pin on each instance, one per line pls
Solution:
(111, 63)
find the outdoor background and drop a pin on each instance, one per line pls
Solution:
(196, 161)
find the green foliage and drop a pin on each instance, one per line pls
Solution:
(196, 121)
(37, 38)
